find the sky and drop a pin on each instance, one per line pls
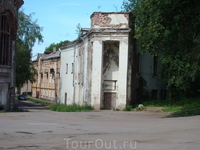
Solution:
(59, 18)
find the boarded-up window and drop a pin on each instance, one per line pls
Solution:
(5, 51)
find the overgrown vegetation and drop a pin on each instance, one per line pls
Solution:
(28, 33)
(142, 108)
(128, 108)
(184, 113)
(40, 102)
(170, 30)
(70, 108)
(179, 107)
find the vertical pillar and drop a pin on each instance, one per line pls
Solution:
(123, 70)
(96, 95)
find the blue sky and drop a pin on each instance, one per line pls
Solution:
(59, 18)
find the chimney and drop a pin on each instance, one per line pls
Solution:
(54, 49)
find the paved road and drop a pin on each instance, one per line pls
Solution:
(47, 130)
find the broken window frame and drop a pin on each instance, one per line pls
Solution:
(5, 41)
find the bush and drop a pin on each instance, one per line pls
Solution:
(141, 108)
(128, 108)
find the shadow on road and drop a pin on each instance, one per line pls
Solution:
(30, 106)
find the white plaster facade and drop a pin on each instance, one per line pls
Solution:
(104, 67)
(94, 68)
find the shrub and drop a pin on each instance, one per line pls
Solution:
(70, 108)
(128, 108)
(141, 108)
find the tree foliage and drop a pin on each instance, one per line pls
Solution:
(169, 29)
(28, 33)
(50, 47)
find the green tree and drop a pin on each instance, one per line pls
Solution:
(27, 34)
(169, 29)
(50, 47)
(78, 30)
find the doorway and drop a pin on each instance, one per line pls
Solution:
(109, 100)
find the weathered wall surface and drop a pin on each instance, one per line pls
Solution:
(47, 85)
(4, 87)
(100, 62)
(8, 11)
(88, 62)
(111, 60)
(110, 73)
(114, 69)
(149, 83)
(96, 96)
(67, 76)
(109, 20)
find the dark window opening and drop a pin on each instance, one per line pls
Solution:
(138, 63)
(66, 68)
(154, 94)
(155, 66)
(5, 44)
(65, 98)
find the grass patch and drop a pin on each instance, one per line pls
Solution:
(40, 102)
(179, 108)
(15, 109)
(128, 108)
(70, 108)
(3, 111)
(184, 113)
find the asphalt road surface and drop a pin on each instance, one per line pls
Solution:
(42, 129)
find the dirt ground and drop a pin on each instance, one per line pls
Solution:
(42, 129)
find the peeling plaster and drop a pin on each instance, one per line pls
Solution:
(110, 55)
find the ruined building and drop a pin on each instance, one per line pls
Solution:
(8, 30)
(104, 68)
(47, 85)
